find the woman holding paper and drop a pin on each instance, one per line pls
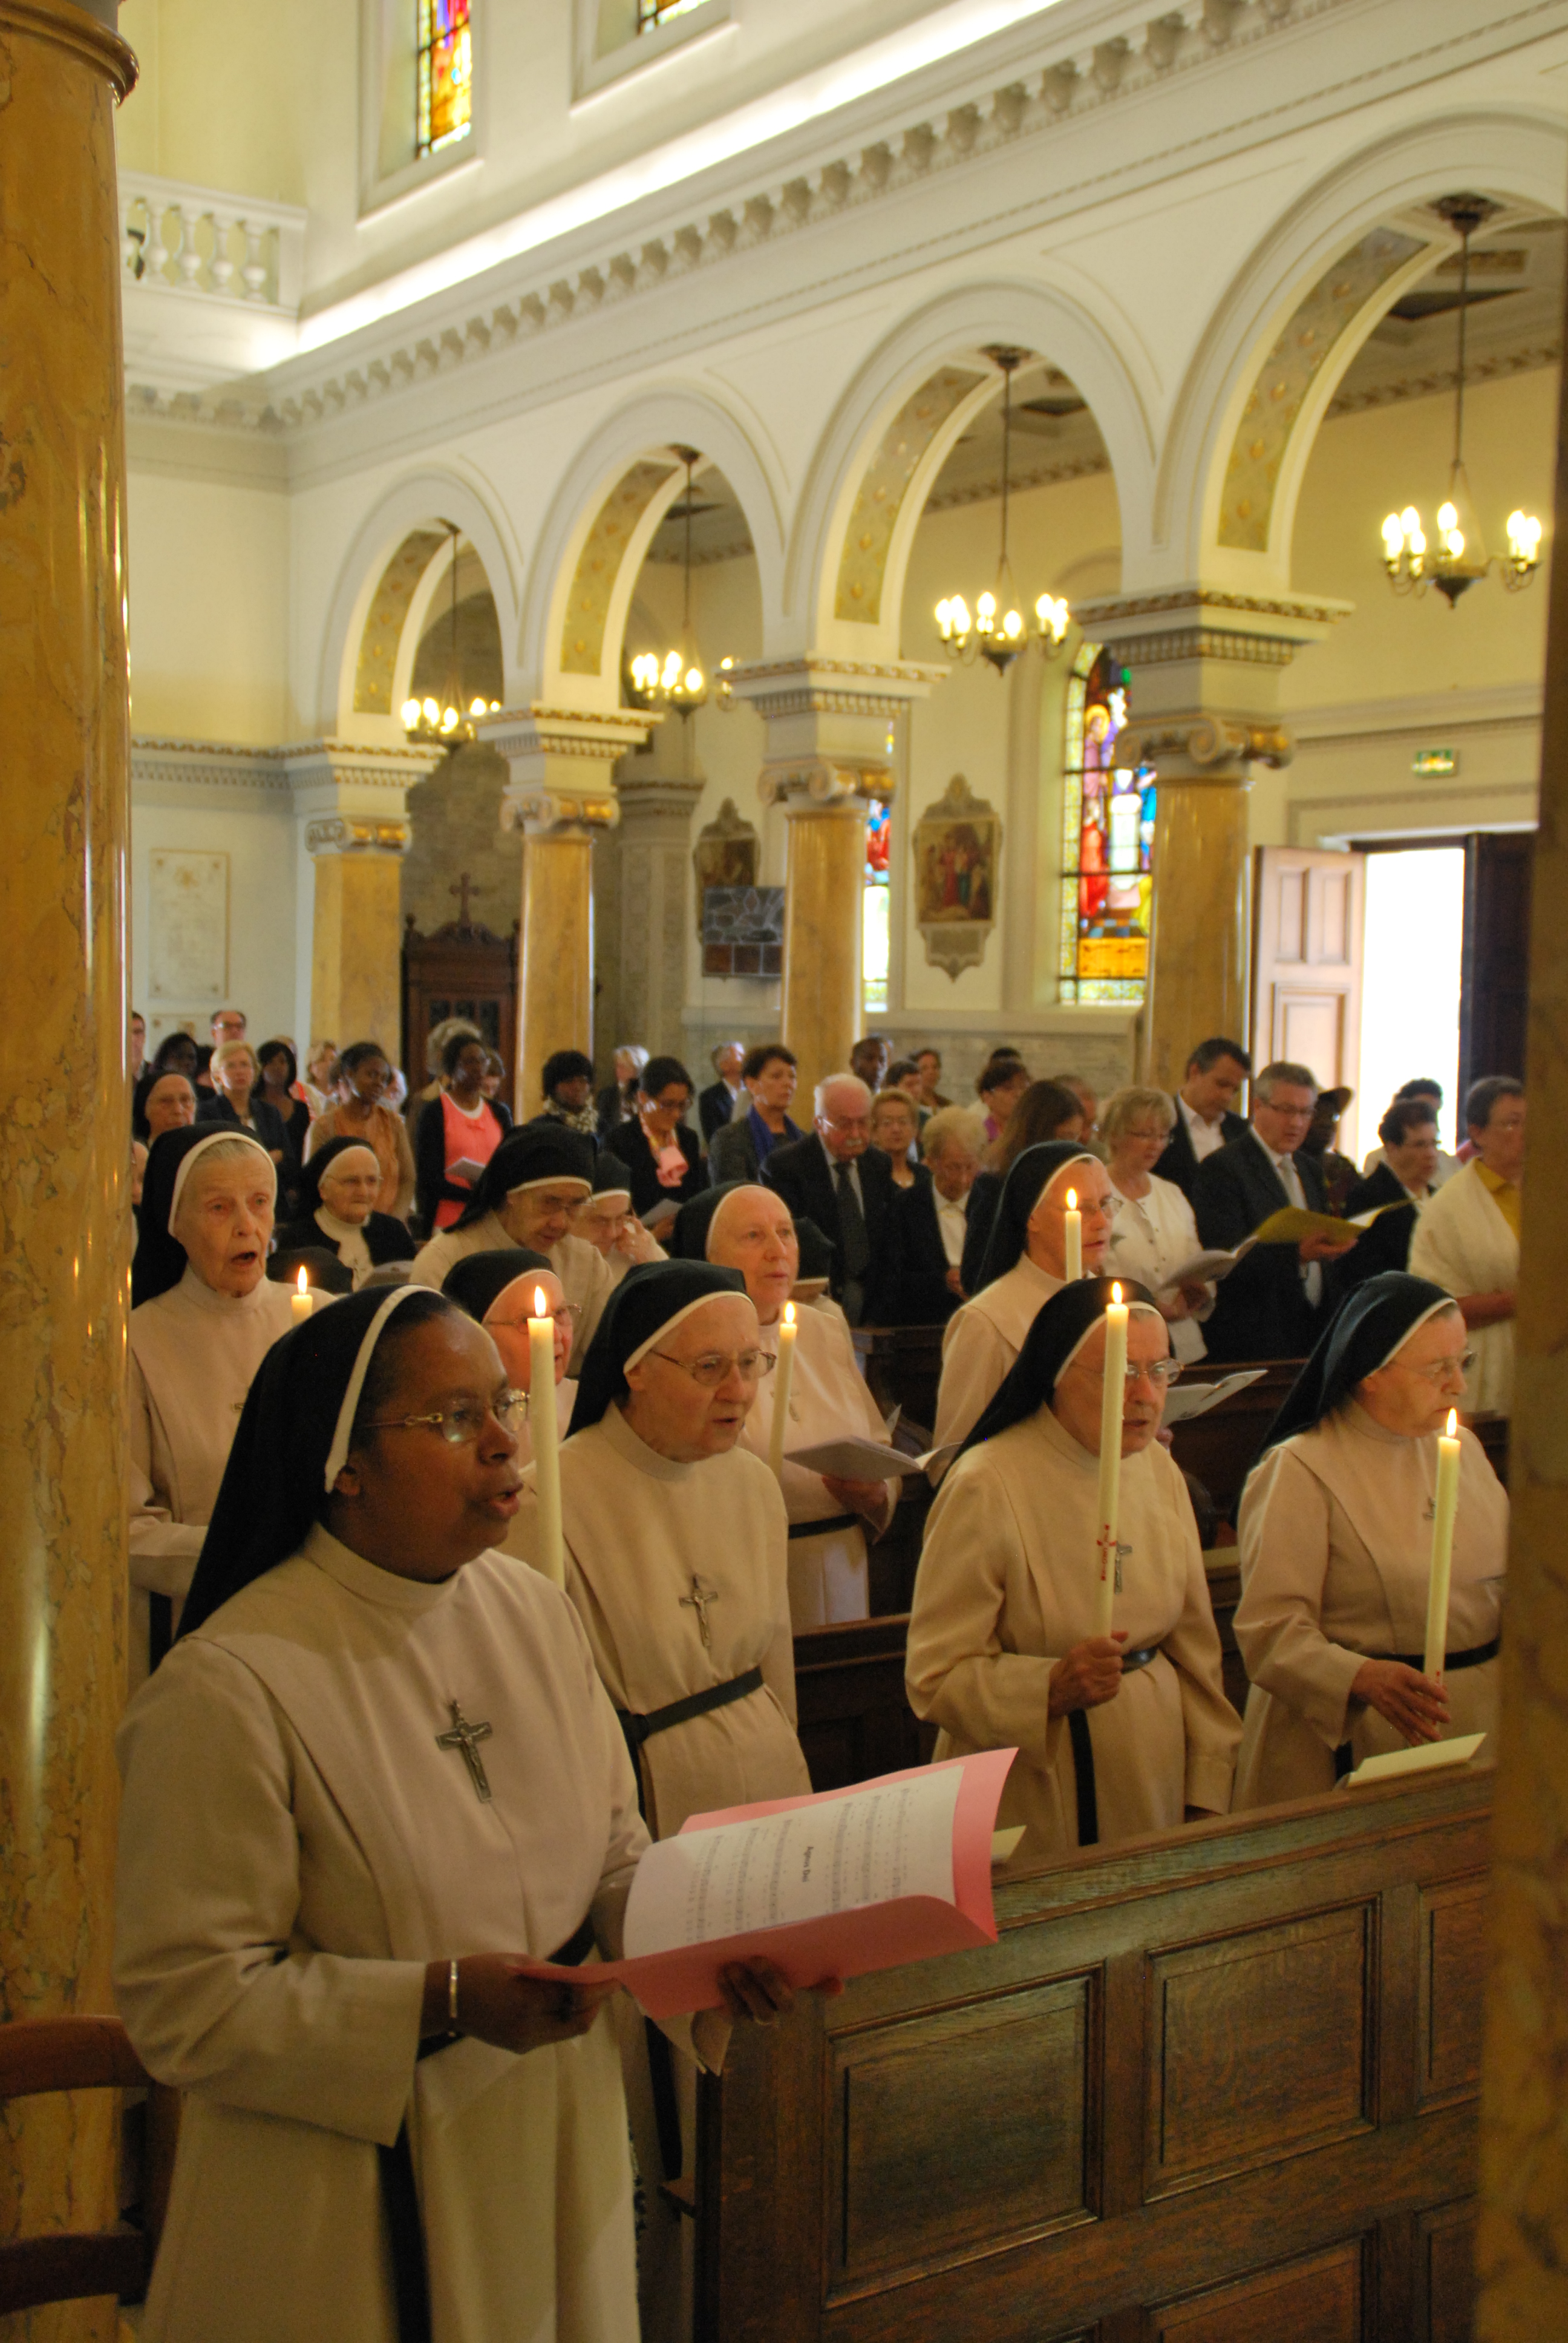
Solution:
(409, 1776)
(1121, 1734)
(746, 1228)
(1336, 1530)
(1026, 1262)
(1154, 1232)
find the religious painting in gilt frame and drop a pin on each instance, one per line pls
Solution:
(725, 855)
(1107, 841)
(957, 849)
(187, 928)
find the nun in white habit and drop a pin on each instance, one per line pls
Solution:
(1335, 1538)
(1118, 1735)
(205, 1317)
(526, 1196)
(749, 1228)
(501, 1290)
(410, 1780)
(1025, 1263)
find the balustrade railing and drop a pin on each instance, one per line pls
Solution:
(202, 241)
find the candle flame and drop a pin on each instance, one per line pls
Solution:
(539, 1308)
(1452, 1422)
(788, 1314)
(1116, 1294)
(304, 1286)
(1072, 1200)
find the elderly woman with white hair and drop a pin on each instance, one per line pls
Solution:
(746, 1227)
(205, 1317)
(1154, 1232)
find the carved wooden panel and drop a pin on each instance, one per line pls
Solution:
(1444, 2273)
(1453, 1978)
(1318, 2299)
(962, 2126)
(1259, 2046)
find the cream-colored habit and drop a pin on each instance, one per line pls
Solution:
(584, 1278)
(295, 1846)
(1462, 1243)
(981, 1342)
(1005, 1588)
(1335, 1534)
(828, 1400)
(638, 1530)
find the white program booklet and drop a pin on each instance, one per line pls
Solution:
(854, 1458)
(1184, 1401)
(1207, 1268)
(1423, 1759)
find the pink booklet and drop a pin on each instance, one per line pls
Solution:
(890, 1871)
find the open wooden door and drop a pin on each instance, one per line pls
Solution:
(1496, 982)
(1307, 962)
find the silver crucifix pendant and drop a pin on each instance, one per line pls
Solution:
(698, 1600)
(467, 1738)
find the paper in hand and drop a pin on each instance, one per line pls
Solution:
(836, 1886)
(855, 1459)
(1207, 1268)
(1184, 1401)
(466, 1171)
(1292, 1225)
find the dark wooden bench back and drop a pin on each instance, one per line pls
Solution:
(1216, 2088)
(71, 2053)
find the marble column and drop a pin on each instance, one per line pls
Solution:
(1522, 2247)
(350, 805)
(561, 796)
(651, 911)
(827, 755)
(65, 1217)
(1204, 666)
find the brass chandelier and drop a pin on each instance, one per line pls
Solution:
(674, 678)
(443, 720)
(998, 631)
(1459, 558)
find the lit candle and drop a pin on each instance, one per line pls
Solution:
(1111, 1409)
(782, 1375)
(1445, 1505)
(302, 1301)
(546, 1438)
(1072, 1225)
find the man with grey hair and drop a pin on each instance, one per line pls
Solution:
(837, 1179)
(1271, 1306)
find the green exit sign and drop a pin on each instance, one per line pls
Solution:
(1434, 763)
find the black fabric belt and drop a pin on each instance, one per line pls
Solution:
(1454, 1663)
(823, 1529)
(638, 1729)
(1083, 1753)
(400, 2197)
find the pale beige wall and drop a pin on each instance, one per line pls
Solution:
(209, 611)
(256, 99)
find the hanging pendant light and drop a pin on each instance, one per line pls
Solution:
(442, 718)
(675, 677)
(1458, 559)
(998, 630)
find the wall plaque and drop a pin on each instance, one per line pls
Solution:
(187, 927)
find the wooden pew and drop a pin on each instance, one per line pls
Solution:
(902, 1367)
(1220, 1449)
(1217, 2087)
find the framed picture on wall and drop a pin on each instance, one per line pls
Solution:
(187, 927)
(957, 848)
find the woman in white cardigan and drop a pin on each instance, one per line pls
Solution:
(1154, 1232)
(1467, 1239)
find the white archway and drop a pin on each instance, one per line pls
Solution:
(1121, 395)
(1515, 157)
(643, 431)
(419, 502)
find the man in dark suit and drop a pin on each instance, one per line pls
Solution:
(836, 1178)
(1271, 1306)
(716, 1104)
(1204, 1118)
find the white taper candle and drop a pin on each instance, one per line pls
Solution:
(546, 1438)
(782, 1374)
(1112, 1402)
(1445, 1505)
(1072, 1239)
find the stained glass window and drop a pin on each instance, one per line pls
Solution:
(1107, 841)
(875, 925)
(446, 83)
(651, 14)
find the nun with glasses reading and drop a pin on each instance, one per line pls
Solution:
(203, 1318)
(1335, 1530)
(1027, 1260)
(527, 1196)
(408, 1781)
(1118, 1735)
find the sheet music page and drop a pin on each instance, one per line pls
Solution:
(833, 1856)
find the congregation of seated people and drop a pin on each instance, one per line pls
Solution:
(296, 1454)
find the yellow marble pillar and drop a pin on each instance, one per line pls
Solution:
(356, 963)
(555, 955)
(64, 1224)
(825, 878)
(1522, 2249)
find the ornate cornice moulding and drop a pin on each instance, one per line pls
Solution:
(1180, 39)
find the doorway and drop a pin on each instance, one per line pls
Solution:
(1413, 980)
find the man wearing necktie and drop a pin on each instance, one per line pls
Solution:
(1271, 1306)
(836, 1178)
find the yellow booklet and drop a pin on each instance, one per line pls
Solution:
(1291, 1225)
